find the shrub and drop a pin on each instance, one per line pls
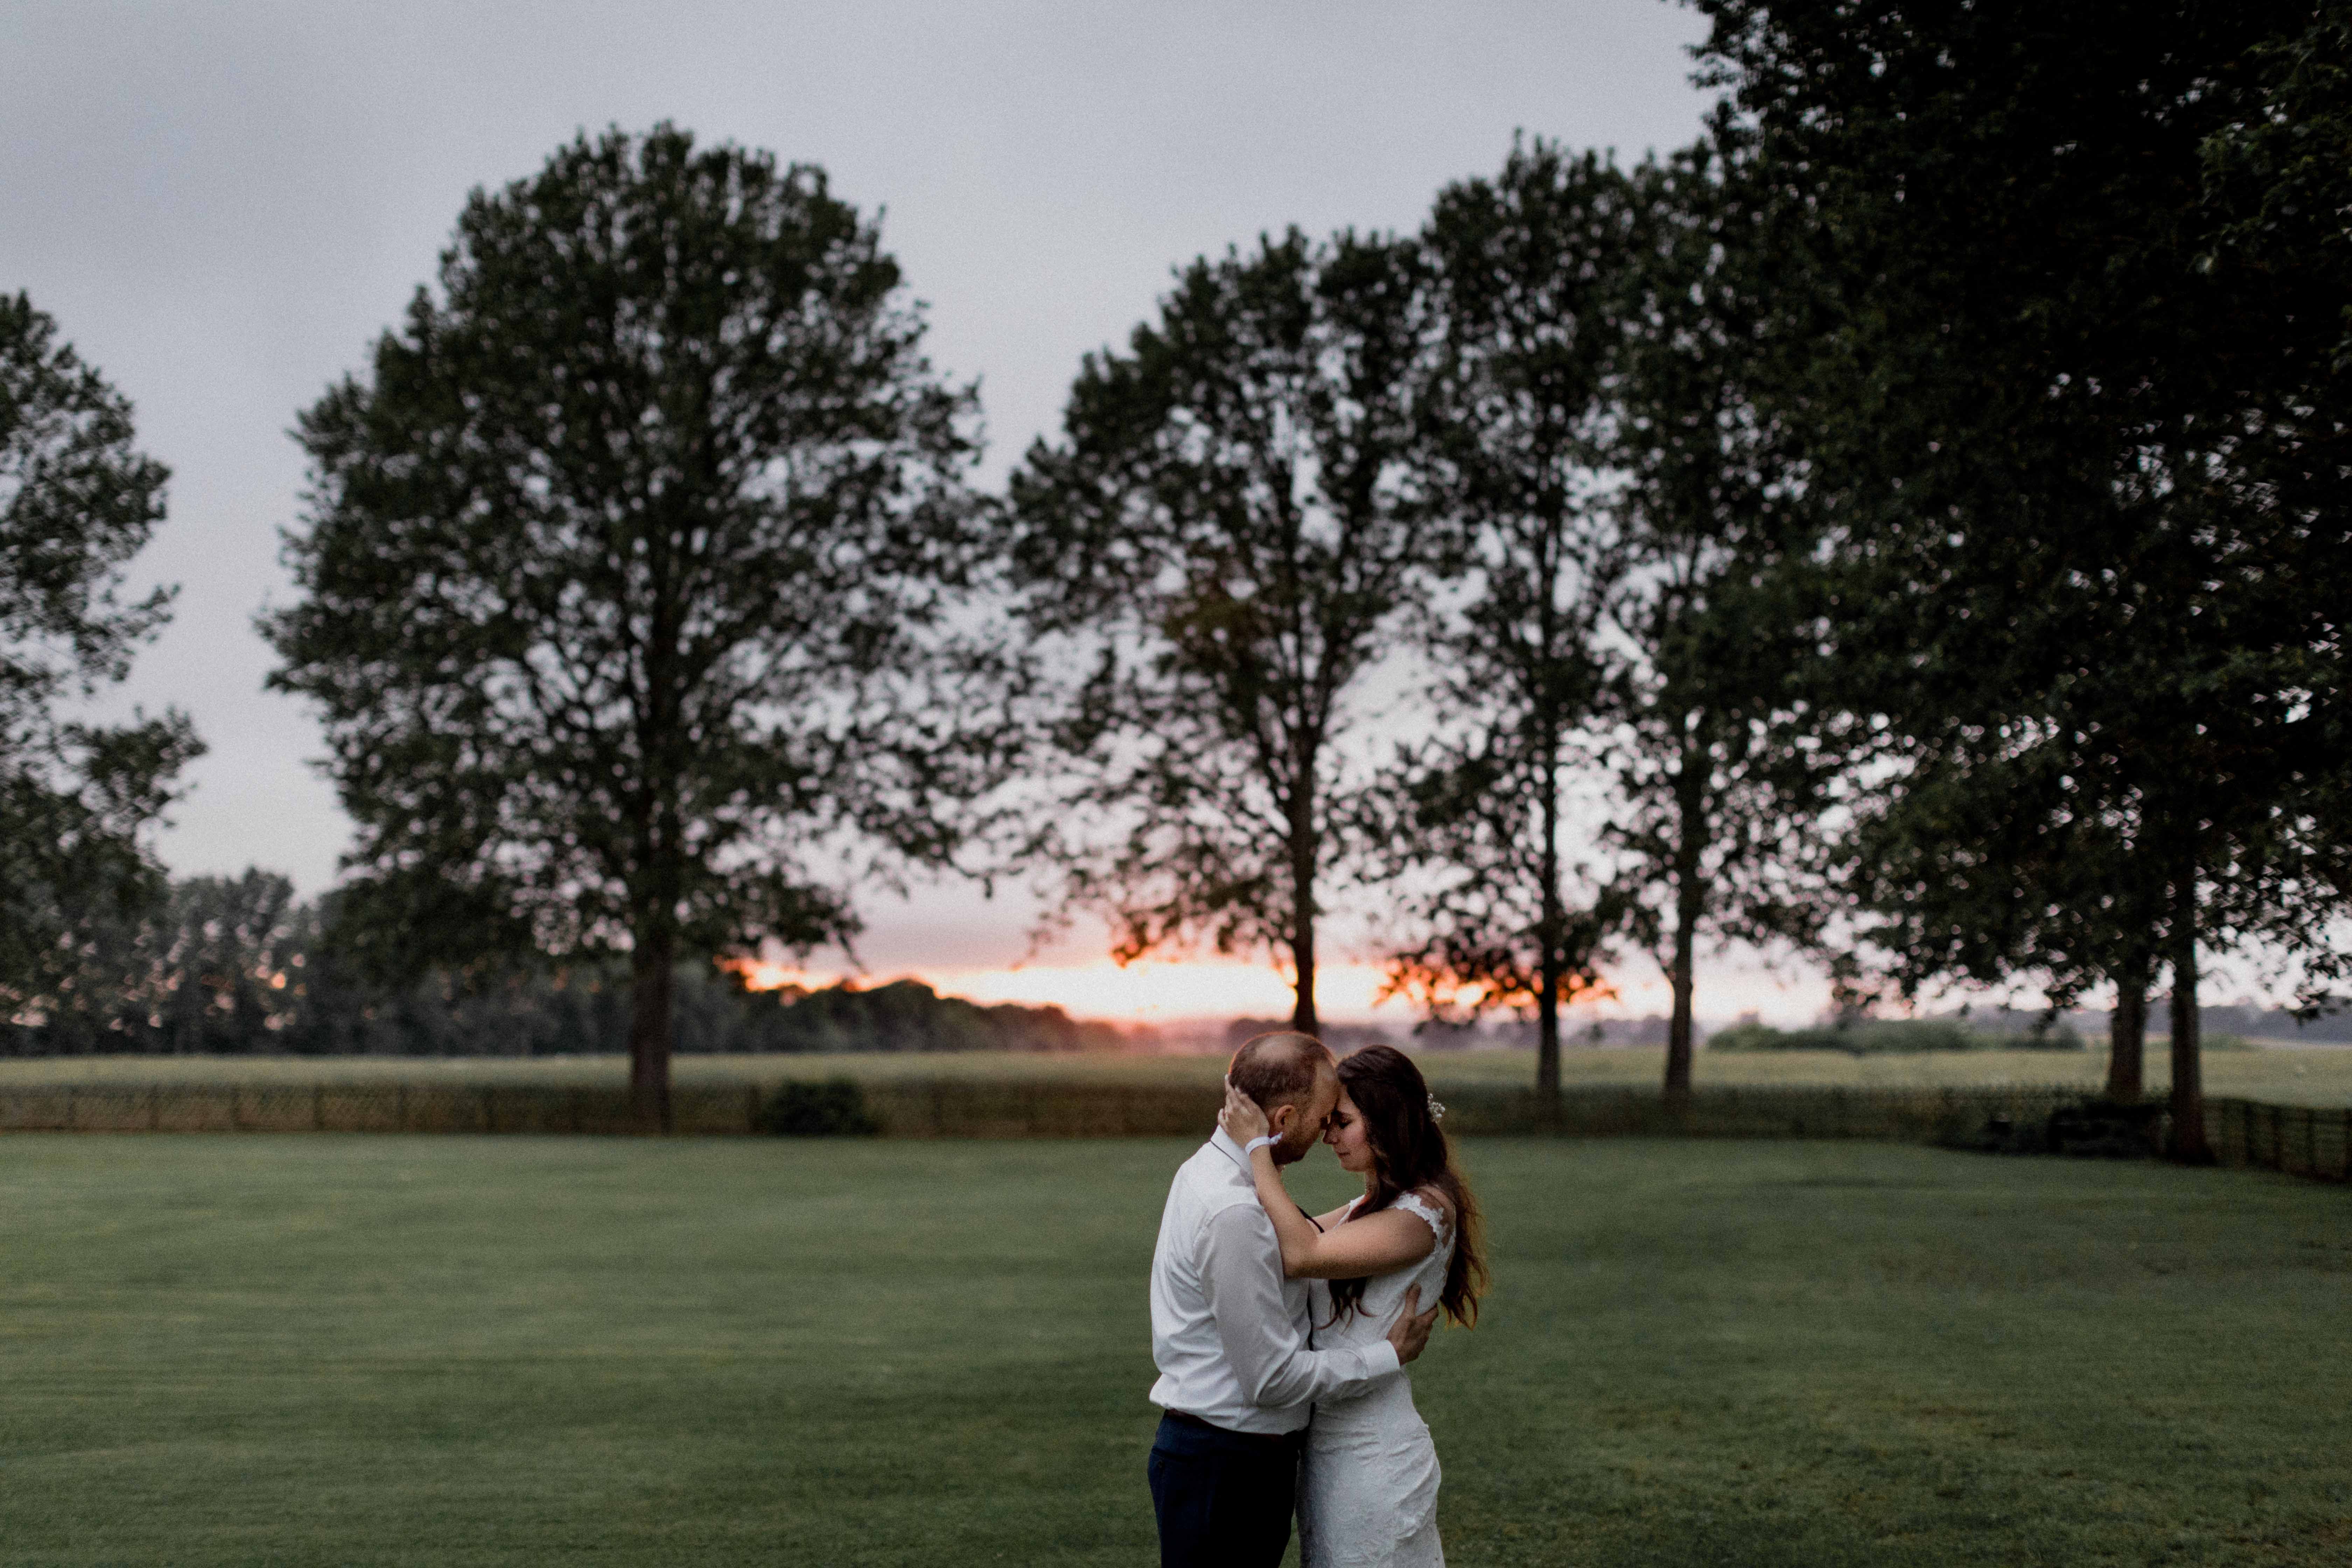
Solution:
(833, 1108)
(1747, 1037)
(1872, 1037)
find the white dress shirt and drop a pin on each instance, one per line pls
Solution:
(1228, 1332)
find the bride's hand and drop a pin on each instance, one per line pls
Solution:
(1240, 1118)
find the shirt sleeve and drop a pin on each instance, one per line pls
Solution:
(1242, 1270)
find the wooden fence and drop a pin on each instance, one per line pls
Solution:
(2301, 1139)
(362, 1108)
(2296, 1138)
(961, 1108)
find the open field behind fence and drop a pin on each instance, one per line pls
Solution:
(2302, 1140)
(2311, 1076)
(501, 1352)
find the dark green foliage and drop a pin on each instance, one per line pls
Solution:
(908, 1016)
(235, 966)
(2084, 485)
(1872, 1036)
(78, 500)
(213, 966)
(2090, 1129)
(624, 573)
(833, 1108)
(1223, 538)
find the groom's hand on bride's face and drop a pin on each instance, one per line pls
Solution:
(1409, 1333)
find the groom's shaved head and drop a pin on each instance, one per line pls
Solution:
(1279, 1068)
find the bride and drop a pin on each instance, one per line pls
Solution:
(1368, 1484)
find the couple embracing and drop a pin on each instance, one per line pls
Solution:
(1282, 1338)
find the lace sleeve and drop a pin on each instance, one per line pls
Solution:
(1431, 1214)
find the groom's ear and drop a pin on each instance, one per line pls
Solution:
(1278, 1120)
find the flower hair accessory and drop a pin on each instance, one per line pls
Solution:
(1437, 1108)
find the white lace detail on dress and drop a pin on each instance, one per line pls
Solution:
(1433, 1217)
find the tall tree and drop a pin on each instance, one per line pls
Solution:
(2025, 405)
(78, 500)
(1530, 274)
(1712, 831)
(1222, 535)
(624, 573)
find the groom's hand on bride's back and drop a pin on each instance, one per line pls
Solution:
(1410, 1330)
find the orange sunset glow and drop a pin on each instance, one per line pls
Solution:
(1166, 991)
(1143, 992)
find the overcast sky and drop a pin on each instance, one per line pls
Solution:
(224, 204)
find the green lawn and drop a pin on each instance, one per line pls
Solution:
(323, 1349)
(2315, 1077)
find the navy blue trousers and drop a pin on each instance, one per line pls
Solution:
(1223, 1499)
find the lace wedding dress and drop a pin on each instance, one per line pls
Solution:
(1368, 1484)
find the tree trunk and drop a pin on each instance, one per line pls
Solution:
(1551, 925)
(1305, 851)
(1302, 959)
(1548, 1028)
(2188, 1142)
(2127, 1035)
(1302, 967)
(1689, 901)
(651, 980)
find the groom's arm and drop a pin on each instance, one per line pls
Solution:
(1242, 1270)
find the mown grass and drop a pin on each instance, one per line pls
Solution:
(2288, 1076)
(416, 1350)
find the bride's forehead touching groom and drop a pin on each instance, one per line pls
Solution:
(1282, 1338)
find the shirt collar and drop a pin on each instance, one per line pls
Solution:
(1223, 1142)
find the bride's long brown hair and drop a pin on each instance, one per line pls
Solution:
(1409, 1150)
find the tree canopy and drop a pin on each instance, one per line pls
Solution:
(1528, 273)
(78, 500)
(624, 576)
(1225, 530)
(2061, 586)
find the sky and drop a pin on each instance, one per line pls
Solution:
(223, 205)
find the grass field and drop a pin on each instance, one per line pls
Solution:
(408, 1351)
(2291, 1077)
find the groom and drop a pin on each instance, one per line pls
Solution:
(1229, 1333)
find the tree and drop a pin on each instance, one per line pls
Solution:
(1225, 530)
(1983, 862)
(623, 577)
(78, 500)
(1529, 272)
(2030, 408)
(210, 966)
(1704, 706)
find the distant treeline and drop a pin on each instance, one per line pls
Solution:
(236, 966)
